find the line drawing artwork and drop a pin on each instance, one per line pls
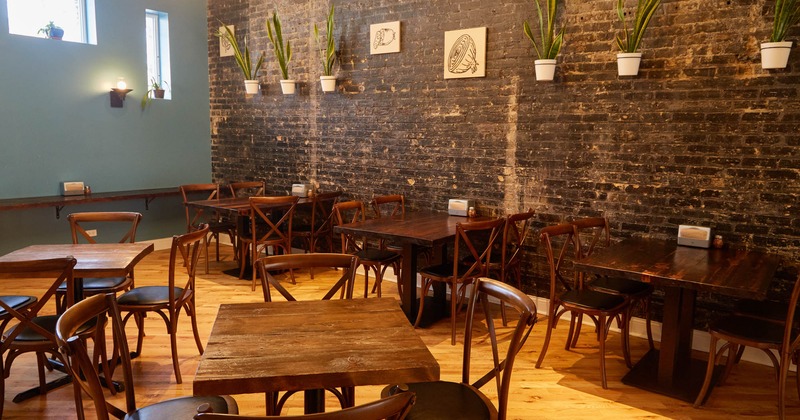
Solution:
(225, 48)
(465, 53)
(384, 38)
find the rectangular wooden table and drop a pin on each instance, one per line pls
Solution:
(309, 346)
(681, 272)
(415, 232)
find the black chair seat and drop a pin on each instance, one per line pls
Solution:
(92, 283)
(447, 400)
(763, 309)
(376, 255)
(592, 299)
(443, 270)
(620, 285)
(179, 408)
(749, 328)
(147, 295)
(16, 302)
(48, 322)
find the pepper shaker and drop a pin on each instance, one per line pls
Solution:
(87, 190)
(471, 212)
(718, 241)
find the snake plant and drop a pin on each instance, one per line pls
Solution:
(787, 13)
(328, 54)
(242, 57)
(550, 41)
(282, 53)
(630, 39)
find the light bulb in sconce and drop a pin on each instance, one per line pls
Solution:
(118, 93)
(121, 83)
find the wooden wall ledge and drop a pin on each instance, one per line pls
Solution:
(59, 201)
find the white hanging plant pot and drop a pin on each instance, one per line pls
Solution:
(628, 64)
(328, 83)
(775, 55)
(288, 86)
(251, 87)
(545, 69)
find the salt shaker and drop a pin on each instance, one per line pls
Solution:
(718, 241)
(471, 212)
(87, 190)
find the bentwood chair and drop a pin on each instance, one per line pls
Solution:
(391, 408)
(343, 288)
(103, 310)
(32, 332)
(246, 189)
(393, 205)
(371, 257)
(168, 300)
(313, 223)
(594, 233)
(464, 400)
(80, 224)
(515, 233)
(567, 297)
(471, 256)
(197, 217)
(744, 331)
(270, 226)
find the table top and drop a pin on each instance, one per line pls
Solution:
(94, 260)
(729, 271)
(237, 206)
(291, 346)
(419, 228)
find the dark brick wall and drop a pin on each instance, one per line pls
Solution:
(702, 136)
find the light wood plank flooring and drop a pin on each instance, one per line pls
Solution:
(566, 387)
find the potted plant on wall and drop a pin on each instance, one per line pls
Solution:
(775, 53)
(52, 31)
(282, 53)
(156, 91)
(328, 55)
(243, 60)
(628, 60)
(545, 66)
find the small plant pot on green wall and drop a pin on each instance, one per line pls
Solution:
(775, 55)
(328, 83)
(628, 64)
(251, 87)
(288, 86)
(545, 69)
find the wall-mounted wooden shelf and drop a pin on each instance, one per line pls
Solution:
(59, 202)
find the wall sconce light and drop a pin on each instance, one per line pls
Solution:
(118, 93)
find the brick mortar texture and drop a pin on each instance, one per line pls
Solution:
(702, 136)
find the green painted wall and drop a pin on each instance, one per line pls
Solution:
(56, 123)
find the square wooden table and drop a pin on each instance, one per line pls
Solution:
(681, 271)
(311, 345)
(415, 231)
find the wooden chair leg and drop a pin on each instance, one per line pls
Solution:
(192, 314)
(603, 333)
(426, 285)
(551, 324)
(173, 342)
(712, 356)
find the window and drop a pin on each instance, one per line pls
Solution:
(75, 17)
(157, 37)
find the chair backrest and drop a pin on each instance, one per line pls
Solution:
(247, 188)
(322, 213)
(83, 370)
(350, 212)
(564, 244)
(59, 270)
(791, 340)
(515, 233)
(389, 205)
(78, 223)
(343, 286)
(591, 233)
(503, 353)
(474, 243)
(276, 214)
(394, 407)
(195, 192)
(187, 246)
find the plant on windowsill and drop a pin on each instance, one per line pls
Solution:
(328, 55)
(52, 31)
(775, 53)
(628, 60)
(551, 42)
(156, 91)
(282, 53)
(243, 60)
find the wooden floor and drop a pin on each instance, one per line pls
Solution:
(566, 387)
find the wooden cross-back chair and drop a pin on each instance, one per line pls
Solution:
(247, 189)
(102, 309)
(79, 222)
(342, 287)
(471, 259)
(168, 300)
(196, 217)
(594, 233)
(567, 297)
(316, 223)
(464, 399)
(393, 205)
(270, 226)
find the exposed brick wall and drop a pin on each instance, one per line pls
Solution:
(702, 136)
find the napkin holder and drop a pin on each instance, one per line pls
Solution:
(459, 206)
(696, 236)
(301, 190)
(72, 188)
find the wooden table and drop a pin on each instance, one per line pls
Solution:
(682, 272)
(293, 346)
(415, 231)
